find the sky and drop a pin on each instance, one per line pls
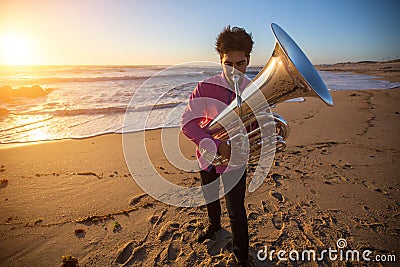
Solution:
(151, 32)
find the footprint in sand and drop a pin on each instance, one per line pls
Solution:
(124, 253)
(182, 209)
(177, 236)
(276, 178)
(157, 219)
(252, 216)
(366, 208)
(265, 207)
(191, 228)
(3, 183)
(192, 225)
(136, 199)
(138, 255)
(251, 206)
(278, 196)
(379, 190)
(174, 250)
(167, 230)
(277, 220)
(153, 219)
(174, 247)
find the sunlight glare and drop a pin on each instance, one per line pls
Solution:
(16, 50)
(35, 127)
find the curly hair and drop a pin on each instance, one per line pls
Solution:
(234, 39)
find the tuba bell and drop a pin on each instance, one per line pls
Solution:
(288, 74)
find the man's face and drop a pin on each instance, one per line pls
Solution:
(234, 62)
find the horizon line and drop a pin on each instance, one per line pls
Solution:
(167, 65)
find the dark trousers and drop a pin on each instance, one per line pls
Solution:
(235, 205)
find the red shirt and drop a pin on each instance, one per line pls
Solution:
(210, 97)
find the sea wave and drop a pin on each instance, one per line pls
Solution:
(30, 123)
(7, 92)
(52, 80)
(103, 111)
(56, 80)
(4, 112)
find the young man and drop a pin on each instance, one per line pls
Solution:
(210, 98)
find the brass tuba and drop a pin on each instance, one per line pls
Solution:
(288, 74)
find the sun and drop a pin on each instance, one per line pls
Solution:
(16, 50)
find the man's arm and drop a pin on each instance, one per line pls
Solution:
(195, 119)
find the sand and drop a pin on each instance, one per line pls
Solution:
(337, 178)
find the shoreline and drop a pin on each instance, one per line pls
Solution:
(385, 70)
(337, 178)
(25, 143)
(21, 143)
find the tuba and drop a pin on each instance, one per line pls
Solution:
(288, 74)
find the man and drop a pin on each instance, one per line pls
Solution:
(210, 98)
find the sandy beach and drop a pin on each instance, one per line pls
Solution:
(337, 178)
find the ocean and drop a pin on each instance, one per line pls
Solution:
(85, 101)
